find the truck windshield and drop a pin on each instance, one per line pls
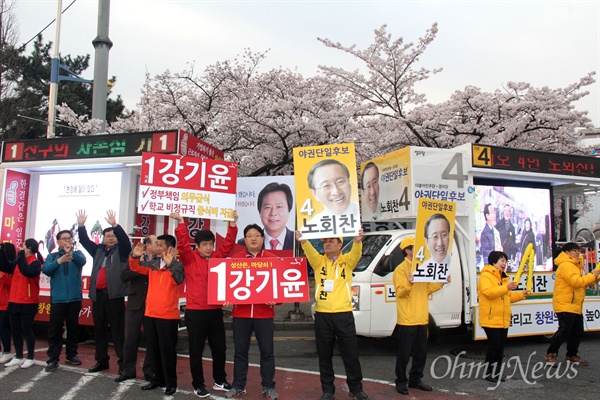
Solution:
(372, 244)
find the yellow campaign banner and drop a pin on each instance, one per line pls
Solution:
(433, 241)
(385, 186)
(326, 191)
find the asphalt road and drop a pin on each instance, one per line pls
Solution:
(448, 370)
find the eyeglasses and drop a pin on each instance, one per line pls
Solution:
(328, 186)
(253, 236)
(435, 237)
(66, 239)
(109, 236)
(576, 250)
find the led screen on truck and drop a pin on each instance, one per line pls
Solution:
(509, 218)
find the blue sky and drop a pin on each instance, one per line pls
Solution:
(480, 43)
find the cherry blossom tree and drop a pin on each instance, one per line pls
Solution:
(258, 117)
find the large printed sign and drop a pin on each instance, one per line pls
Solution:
(433, 242)
(539, 318)
(385, 186)
(14, 207)
(257, 280)
(440, 174)
(326, 191)
(269, 202)
(193, 187)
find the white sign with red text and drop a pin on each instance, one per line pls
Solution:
(193, 187)
(257, 280)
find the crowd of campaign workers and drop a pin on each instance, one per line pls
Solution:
(149, 275)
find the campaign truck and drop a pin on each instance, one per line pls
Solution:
(505, 199)
(46, 181)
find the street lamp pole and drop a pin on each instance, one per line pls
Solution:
(52, 97)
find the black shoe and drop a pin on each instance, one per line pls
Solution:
(123, 378)
(402, 390)
(98, 367)
(150, 386)
(421, 386)
(170, 391)
(491, 378)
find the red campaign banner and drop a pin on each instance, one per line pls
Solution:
(190, 145)
(14, 209)
(183, 172)
(257, 280)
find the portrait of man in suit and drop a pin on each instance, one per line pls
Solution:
(275, 202)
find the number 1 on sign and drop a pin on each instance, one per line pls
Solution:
(220, 270)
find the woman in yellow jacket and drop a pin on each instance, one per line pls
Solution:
(495, 295)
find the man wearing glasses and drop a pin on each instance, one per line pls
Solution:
(437, 235)
(64, 269)
(567, 301)
(107, 290)
(329, 182)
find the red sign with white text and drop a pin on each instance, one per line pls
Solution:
(14, 207)
(257, 280)
(193, 187)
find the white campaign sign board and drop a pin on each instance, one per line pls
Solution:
(540, 319)
(440, 174)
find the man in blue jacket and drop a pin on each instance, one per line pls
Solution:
(64, 269)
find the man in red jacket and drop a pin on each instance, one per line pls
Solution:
(257, 318)
(203, 320)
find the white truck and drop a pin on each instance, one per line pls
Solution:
(528, 183)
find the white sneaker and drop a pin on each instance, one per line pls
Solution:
(15, 362)
(28, 363)
(6, 357)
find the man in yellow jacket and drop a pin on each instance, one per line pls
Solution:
(567, 300)
(333, 312)
(413, 317)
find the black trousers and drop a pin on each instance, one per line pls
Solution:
(412, 341)
(570, 328)
(242, 332)
(496, 342)
(161, 340)
(107, 311)
(134, 320)
(67, 313)
(329, 328)
(202, 325)
(21, 325)
(5, 331)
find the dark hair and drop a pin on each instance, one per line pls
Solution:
(406, 248)
(59, 234)
(254, 226)
(8, 253)
(106, 230)
(496, 256)
(276, 187)
(147, 240)
(434, 217)
(33, 245)
(170, 240)
(370, 164)
(570, 246)
(530, 224)
(204, 236)
(486, 209)
(324, 163)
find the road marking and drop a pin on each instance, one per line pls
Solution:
(77, 387)
(26, 387)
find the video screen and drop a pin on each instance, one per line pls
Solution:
(509, 219)
(60, 195)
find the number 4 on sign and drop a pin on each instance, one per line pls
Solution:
(420, 254)
(307, 208)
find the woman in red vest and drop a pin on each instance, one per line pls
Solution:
(23, 301)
